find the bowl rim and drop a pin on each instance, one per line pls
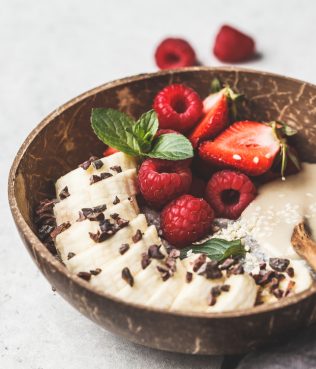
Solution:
(40, 248)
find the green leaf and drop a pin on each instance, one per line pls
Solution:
(145, 129)
(171, 146)
(216, 85)
(216, 249)
(116, 130)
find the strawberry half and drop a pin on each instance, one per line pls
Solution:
(250, 147)
(215, 120)
(216, 108)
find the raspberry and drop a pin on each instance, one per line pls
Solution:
(165, 132)
(161, 181)
(109, 151)
(233, 46)
(185, 220)
(229, 193)
(174, 53)
(178, 107)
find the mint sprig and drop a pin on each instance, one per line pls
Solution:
(121, 132)
(216, 249)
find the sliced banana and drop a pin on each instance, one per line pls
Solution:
(78, 179)
(241, 295)
(123, 185)
(92, 257)
(76, 238)
(110, 278)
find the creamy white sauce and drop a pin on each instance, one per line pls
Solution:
(278, 208)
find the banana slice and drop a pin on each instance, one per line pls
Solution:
(110, 279)
(78, 179)
(92, 257)
(241, 295)
(76, 238)
(123, 185)
(302, 281)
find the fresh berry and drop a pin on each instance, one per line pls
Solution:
(247, 146)
(215, 118)
(109, 151)
(198, 186)
(161, 181)
(178, 107)
(174, 53)
(233, 46)
(165, 132)
(229, 193)
(185, 220)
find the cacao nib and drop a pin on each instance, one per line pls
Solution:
(210, 270)
(114, 216)
(99, 209)
(145, 261)
(155, 253)
(84, 275)
(91, 214)
(122, 223)
(46, 205)
(188, 277)
(98, 164)
(279, 264)
(70, 255)
(227, 263)
(278, 293)
(86, 164)
(225, 287)
(164, 272)
(124, 247)
(138, 236)
(127, 276)
(95, 271)
(198, 262)
(116, 200)
(289, 288)
(107, 227)
(94, 179)
(116, 168)
(105, 175)
(171, 264)
(64, 193)
(59, 229)
(236, 269)
(262, 265)
(290, 272)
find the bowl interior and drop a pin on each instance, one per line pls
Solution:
(65, 139)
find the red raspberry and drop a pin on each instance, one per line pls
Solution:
(178, 107)
(229, 193)
(165, 132)
(233, 46)
(161, 181)
(185, 220)
(109, 151)
(174, 53)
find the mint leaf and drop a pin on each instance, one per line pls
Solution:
(171, 146)
(216, 249)
(116, 130)
(145, 129)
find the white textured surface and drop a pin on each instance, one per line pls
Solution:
(51, 51)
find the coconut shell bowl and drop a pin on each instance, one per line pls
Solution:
(65, 138)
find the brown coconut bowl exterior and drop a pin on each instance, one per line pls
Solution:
(64, 139)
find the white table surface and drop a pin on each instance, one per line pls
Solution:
(50, 51)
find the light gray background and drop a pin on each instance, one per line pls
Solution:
(50, 51)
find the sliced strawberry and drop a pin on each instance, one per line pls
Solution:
(248, 146)
(109, 151)
(215, 108)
